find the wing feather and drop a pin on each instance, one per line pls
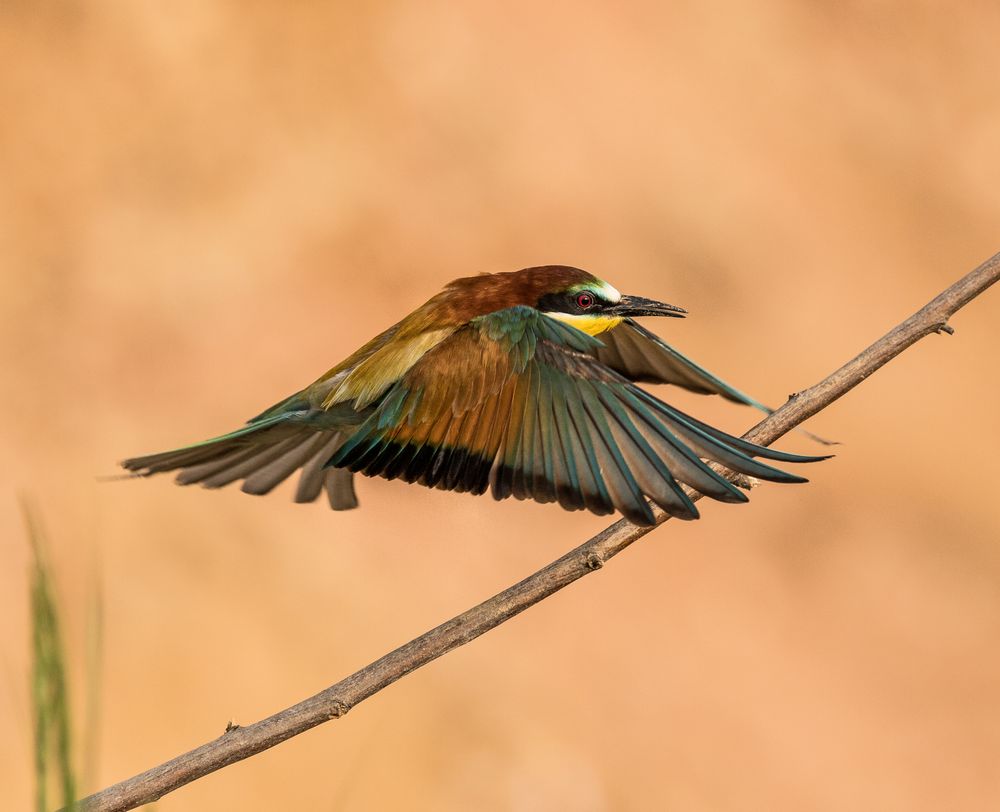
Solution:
(596, 497)
(522, 404)
(624, 490)
(643, 357)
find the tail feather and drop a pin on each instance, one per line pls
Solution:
(242, 468)
(292, 457)
(340, 488)
(263, 455)
(172, 460)
(191, 474)
(313, 474)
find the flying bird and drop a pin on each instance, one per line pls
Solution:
(520, 383)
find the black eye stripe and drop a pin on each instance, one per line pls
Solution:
(569, 302)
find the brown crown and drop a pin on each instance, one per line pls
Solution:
(472, 296)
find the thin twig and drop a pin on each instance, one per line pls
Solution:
(238, 743)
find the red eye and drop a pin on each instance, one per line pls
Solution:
(584, 301)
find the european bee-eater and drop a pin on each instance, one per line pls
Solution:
(523, 383)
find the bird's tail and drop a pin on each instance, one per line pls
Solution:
(263, 454)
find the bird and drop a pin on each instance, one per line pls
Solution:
(523, 383)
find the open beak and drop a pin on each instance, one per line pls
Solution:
(638, 306)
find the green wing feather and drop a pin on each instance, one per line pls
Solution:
(644, 357)
(521, 404)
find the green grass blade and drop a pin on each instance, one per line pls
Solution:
(49, 694)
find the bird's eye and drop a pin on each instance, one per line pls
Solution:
(584, 301)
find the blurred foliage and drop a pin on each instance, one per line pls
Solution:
(49, 691)
(58, 763)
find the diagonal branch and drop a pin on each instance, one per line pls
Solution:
(238, 743)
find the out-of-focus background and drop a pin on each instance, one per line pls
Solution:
(204, 205)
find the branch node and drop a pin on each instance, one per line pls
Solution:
(337, 709)
(945, 328)
(230, 727)
(592, 561)
(744, 481)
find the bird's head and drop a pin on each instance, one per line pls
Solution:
(561, 292)
(591, 304)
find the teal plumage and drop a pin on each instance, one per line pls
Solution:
(518, 399)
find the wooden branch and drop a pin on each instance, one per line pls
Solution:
(238, 743)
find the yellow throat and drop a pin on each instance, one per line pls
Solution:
(591, 324)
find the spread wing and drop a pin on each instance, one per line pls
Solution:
(516, 402)
(644, 357)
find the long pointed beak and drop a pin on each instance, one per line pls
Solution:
(639, 306)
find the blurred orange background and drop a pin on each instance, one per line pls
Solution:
(204, 205)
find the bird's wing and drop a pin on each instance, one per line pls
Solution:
(644, 357)
(265, 452)
(516, 402)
